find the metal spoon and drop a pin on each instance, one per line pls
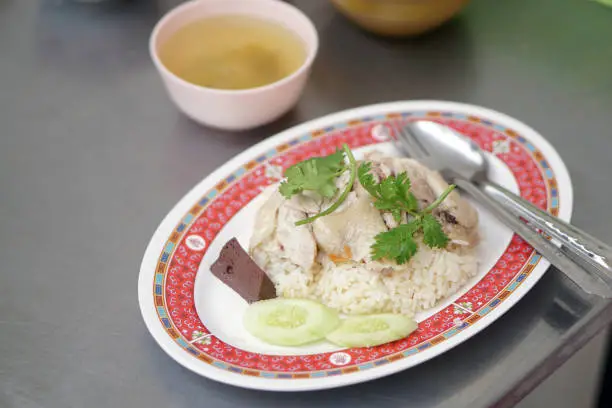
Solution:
(459, 158)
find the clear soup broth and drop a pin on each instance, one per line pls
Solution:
(233, 52)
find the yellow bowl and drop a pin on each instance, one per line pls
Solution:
(398, 18)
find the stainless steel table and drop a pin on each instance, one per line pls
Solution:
(93, 154)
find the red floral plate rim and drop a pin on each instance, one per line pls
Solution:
(172, 268)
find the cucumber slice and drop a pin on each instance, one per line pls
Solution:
(372, 330)
(290, 322)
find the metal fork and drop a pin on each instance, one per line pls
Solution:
(555, 255)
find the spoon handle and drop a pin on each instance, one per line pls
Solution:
(583, 248)
(585, 280)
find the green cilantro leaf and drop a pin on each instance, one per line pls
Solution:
(316, 174)
(367, 179)
(391, 194)
(397, 244)
(397, 215)
(433, 235)
(403, 187)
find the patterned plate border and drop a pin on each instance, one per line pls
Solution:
(537, 184)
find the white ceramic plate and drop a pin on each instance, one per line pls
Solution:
(197, 320)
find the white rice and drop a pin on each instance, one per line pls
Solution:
(429, 277)
(432, 275)
(352, 289)
(362, 288)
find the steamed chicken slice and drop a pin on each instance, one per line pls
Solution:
(349, 232)
(297, 242)
(265, 222)
(275, 227)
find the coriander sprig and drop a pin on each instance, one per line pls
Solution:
(316, 174)
(392, 194)
(319, 174)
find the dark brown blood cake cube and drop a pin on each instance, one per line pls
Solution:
(236, 269)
